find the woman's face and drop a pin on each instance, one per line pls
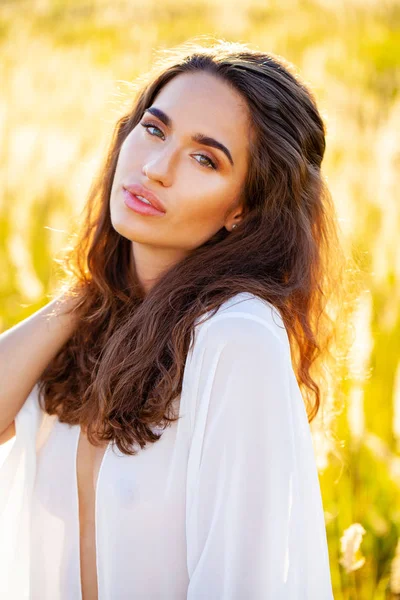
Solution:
(198, 183)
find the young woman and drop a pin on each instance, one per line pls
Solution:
(159, 406)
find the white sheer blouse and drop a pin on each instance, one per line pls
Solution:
(225, 506)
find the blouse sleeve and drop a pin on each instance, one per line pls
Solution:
(254, 523)
(17, 475)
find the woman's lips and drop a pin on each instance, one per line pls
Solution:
(140, 191)
(138, 206)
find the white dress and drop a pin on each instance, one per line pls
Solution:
(225, 506)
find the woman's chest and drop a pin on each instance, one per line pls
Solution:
(88, 461)
(94, 508)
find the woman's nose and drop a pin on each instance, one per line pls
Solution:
(160, 168)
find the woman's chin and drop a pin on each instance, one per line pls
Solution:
(133, 234)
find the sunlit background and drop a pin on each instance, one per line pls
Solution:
(65, 69)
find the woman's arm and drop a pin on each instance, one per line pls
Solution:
(25, 351)
(254, 522)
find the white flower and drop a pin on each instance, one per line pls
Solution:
(350, 542)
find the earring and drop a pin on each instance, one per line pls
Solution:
(234, 225)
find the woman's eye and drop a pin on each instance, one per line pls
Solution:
(208, 162)
(149, 126)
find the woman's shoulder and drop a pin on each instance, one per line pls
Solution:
(241, 316)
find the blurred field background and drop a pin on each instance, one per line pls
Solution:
(65, 71)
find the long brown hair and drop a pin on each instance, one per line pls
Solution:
(121, 370)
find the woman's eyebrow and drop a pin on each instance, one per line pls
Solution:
(197, 137)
